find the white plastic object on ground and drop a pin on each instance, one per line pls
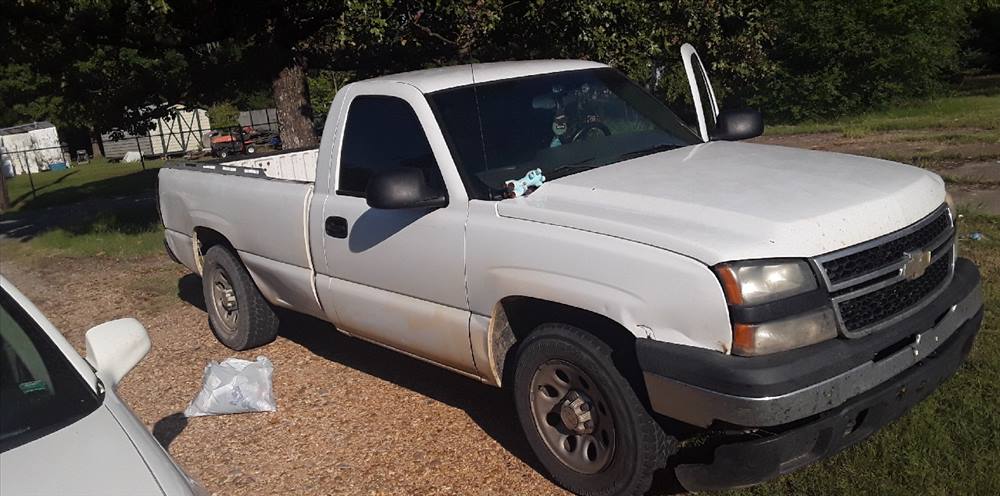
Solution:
(234, 386)
(132, 156)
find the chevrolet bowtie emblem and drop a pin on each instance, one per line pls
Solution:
(916, 262)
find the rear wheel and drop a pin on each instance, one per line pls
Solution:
(581, 416)
(238, 314)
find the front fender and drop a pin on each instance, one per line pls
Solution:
(654, 293)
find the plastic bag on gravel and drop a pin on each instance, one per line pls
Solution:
(234, 386)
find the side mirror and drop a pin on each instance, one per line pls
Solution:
(736, 125)
(114, 348)
(405, 187)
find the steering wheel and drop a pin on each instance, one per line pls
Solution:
(587, 128)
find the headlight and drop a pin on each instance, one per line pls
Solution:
(761, 281)
(761, 327)
(785, 334)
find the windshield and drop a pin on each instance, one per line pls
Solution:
(562, 123)
(40, 389)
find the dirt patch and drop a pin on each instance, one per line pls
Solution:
(969, 159)
(933, 148)
(977, 199)
(975, 172)
(352, 418)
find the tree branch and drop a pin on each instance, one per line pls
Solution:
(415, 20)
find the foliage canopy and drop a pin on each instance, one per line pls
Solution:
(100, 64)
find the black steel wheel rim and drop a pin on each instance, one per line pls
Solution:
(572, 416)
(224, 301)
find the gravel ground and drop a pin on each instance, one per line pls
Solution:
(352, 418)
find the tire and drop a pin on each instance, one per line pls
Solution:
(226, 285)
(250, 150)
(223, 153)
(624, 445)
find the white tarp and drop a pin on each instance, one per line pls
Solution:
(33, 150)
(131, 157)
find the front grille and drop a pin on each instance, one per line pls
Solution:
(882, 304)
(851, 266)
(867, 284)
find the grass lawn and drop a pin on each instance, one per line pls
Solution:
(98, 179)
(116, 234)
(978, 111)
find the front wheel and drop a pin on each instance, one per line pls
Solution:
(581, 416)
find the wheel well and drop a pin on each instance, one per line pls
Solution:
(517, 316)
(205, 238)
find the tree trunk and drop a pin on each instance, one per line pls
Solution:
(4, 197)
(95, 145)
(291, 96)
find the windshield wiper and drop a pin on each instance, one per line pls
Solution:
(646, 151)
(565, 170)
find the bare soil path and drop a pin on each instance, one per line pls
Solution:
(968, 159)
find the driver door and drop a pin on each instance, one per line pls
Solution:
(396, 277)
(705, 106)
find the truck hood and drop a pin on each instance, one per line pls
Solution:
(723, 201)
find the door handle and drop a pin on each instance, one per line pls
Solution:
(336, 227)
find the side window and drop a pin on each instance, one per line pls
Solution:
(382, 133)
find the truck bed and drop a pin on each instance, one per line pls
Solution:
(262, 216)
(292, 165)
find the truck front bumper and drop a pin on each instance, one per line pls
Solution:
(812, 402)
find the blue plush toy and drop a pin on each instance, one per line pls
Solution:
(520, 187)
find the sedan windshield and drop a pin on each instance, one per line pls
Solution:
(562, 123)
(40, 390)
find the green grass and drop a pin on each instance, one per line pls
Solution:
(98, 179)
(119, 234)
(949, 443)
(966, 111)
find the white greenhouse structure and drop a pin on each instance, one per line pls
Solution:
(31, 148)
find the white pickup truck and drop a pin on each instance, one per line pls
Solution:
(663, 285)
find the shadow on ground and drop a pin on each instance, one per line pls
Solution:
(168, 428)
(131, 215)
(40, 189)
(45, 196)
(492, 409)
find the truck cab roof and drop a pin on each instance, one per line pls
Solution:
(443, 78)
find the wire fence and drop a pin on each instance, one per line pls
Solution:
(33, 160)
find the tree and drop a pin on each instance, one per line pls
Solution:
(834, 57)
(119, 64)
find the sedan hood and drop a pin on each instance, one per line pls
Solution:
(723, 201)
(90, 456)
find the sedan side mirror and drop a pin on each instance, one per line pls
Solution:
(404, 187)
(736, 125)
(114, 348)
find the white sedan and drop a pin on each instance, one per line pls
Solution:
(63, 430)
